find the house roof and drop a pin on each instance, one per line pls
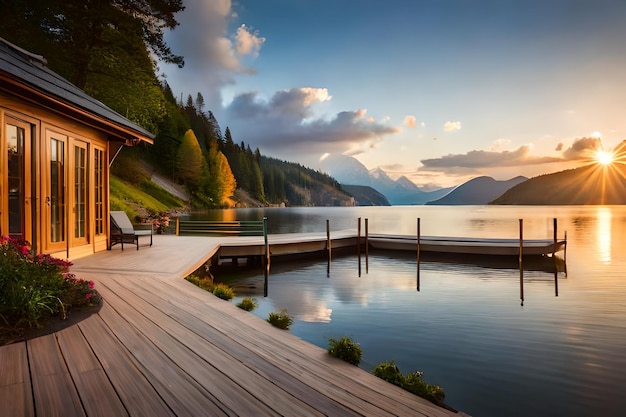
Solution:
(26, 75)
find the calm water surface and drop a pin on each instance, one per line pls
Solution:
(555, 355)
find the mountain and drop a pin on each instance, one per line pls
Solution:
(348, 170)
(477, 191)
(592, 184)
(365, 195)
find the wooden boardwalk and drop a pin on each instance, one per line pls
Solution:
(160, 346)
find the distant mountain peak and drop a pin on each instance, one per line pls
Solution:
(478, 191)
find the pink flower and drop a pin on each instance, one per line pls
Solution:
(88, 296)
(25, 250)
(91, 284)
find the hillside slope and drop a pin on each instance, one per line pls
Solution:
(592, 184)
(365, 196)
(477, 191)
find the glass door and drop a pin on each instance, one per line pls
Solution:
(18, 193)
(80, 203)
(55, 199)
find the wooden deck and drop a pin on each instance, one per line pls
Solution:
(160, 346)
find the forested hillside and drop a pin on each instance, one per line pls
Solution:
(592, 184)
(107, 49)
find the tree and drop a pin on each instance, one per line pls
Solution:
(60, 29)
(189, 160)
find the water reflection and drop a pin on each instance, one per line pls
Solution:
(465, 329)
(603, 237)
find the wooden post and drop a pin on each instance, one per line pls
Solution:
(419, 255)
(267, 246)
(358, 244)
(554, 226)
(367, 252)
(328, 248)
(177, 226)
(521, 263)
(565, 254)
(328, 242)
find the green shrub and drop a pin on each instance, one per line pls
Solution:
(34, 287)
(415, 384)
(280, 319)
(389, 372)
(345, 349)
(224, 292)
(204, 283)
(247, 304)
(412, 382)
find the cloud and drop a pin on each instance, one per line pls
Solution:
(485, 159)
(452, 126)
(409, 121)
(248, 43)
(582, 148)
(285, 124)
(498, 144)
(212, 55)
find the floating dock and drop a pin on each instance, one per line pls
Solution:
(309, 243)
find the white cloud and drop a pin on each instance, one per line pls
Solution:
(247, 42)
(452, 126)
(285, 124)
(212, 59)
(483, 159)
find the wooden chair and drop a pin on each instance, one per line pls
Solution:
(122, 230)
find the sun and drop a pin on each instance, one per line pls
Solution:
(604, 157)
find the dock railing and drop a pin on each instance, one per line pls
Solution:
(221, 228)
(227, 228)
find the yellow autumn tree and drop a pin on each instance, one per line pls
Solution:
(189, 160)
(220, 181)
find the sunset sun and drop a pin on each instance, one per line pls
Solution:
(604, 157)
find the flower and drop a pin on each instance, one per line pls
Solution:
(91, 284)
(161, 221)
(88, 296)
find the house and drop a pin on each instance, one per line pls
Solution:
(56, 147)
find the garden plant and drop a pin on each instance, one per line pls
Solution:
(35, 287)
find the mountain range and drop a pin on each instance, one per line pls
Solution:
(477, 191)
(402, 191)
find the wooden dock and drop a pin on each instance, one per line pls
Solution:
(301, 243)
(159, 346)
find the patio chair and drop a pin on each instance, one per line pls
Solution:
(122, 230)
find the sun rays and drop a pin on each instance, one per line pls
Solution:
(604, 157)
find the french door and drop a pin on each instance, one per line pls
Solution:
(17, 204)
(67, 188)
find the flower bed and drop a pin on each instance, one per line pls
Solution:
(34, 288)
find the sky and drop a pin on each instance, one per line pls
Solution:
(439, 91)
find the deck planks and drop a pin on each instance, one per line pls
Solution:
(160, 346)
(16, 394)
(53, 389)
(97, 395)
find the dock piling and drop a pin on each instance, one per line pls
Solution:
(521, 262)
(358, 243)
(419, 255)
(366, 246)
(328, 248)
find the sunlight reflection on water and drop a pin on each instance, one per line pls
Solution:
(465, 328)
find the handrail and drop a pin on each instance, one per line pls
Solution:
(226, 228)
(210, 227)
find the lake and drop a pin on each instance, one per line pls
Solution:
(562, 352)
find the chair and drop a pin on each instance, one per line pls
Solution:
(122, 230)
